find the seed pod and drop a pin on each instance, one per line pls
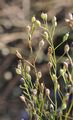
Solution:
(66, 48)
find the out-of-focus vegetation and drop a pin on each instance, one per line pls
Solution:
(15, 15)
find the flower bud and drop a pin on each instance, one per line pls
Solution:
(28, 77)
(38, 23)
(18, 71)
(62, 72)
(51, 108)
(70, 16)
(21, 81)
(54, 18)
(41, 43)
(50, 65)
(28, 28)
(22, 97)
(58, 86)
(66, 48)
(44, 16)
(35, 92)
(55, 24)
(66, 36)
(33, 19)
(54, 21)
(28, 68)
(46, 35)
(47, 92)
(54, 77)
(50, 51)
(64, 105)
(39, 74)
(65, 65)
(42, 86)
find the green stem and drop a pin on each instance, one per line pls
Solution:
(69, 110)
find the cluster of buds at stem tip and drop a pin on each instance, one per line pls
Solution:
(66, 48)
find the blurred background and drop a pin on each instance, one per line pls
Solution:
(15, 15)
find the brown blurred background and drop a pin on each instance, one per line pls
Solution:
(14, 16)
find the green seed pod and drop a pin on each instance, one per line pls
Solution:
(66, 36)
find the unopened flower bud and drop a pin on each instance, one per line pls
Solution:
(18, 71)
(44, 16)
(21, 81)
(54, 18)
(38, 23)
(66, 48)
(65, 65)
(42, 86)
(58, 87)
(64, 105)
(33, 19)
(54, 21)
(46, 35)
(67, 96)
(41, 43)
(51, 108)
(28, 28)
(47, 92)
(50, 65)
(22, 98)
(28, 68)
(62, 72)
(54, 77)
(39, 74)
(50, 51)
(70, 16)
(55, 24)
(35, 92)
(66, 36)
